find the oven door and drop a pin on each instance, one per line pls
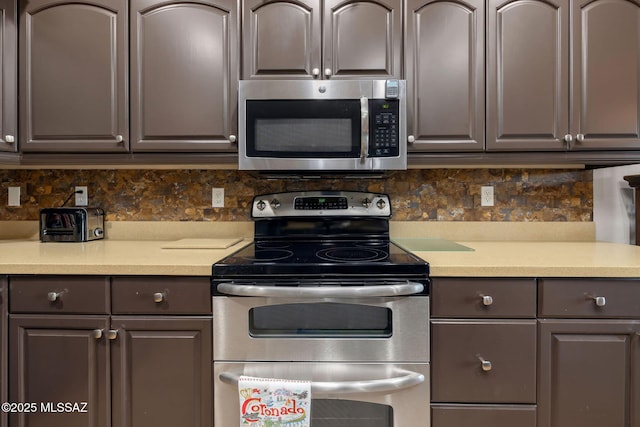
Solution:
(342, 394)
(307, 328)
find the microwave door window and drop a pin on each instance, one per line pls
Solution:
(295, 128)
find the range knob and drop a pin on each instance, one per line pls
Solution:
(366, 202)
(381, 204)
(261, 205)
(275, 203)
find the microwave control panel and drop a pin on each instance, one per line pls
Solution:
(384, 116)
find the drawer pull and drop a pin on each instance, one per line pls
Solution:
(158, 297)
(54, 296)
(487, 300)
(112, 334)
(97, 333)
(600, 301)
(485, 364)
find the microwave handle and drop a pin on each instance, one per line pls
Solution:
(364, 126)
(394, 290)
(350, 387)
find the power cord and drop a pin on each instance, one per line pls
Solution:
(70, 196)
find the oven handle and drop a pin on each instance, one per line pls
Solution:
(394, 290)
(349, 387)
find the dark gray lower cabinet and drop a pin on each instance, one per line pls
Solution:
(57, 360)
(161, 371)
(4, 351)
(144, 358)
(484, 416)
(589, 373)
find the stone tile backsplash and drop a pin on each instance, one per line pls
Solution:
(417, 195)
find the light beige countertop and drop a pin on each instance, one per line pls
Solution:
(487, 259)
(108, 257)
(543, 252)
(536, 259)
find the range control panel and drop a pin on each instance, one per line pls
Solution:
(321, 203)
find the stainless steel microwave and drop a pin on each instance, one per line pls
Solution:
(325, 125)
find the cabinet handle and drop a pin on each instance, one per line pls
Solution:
(232, 138)
(487, 300)
(327, 72)
(411, 139)
(485, 364)
(54, 296)
(119, 138)
(97, 333)
(580, 137)
(158, 297)
(9, 139)
(315, 72)
(568, 138)
(112, 334)
(599, 301)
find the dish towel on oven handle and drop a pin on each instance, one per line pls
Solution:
(271, 402)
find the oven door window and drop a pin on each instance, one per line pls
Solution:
(350, 413)
(303, 128)
(320, 320)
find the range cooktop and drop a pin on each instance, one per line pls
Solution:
(320, 258)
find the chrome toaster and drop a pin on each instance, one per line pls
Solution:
(71, 224)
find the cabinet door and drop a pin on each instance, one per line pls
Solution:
(4, 355)
(605, 105)
(59, 359)
(446, 91)
(162, 372)
(73, 68)
(362, 39)
(589, 373)
(184, 75)
(527, 74)
(8, 76)
(281, 39)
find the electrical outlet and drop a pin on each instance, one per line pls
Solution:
(13, 198)
(82, 199)
(486, 195)
(217, 197)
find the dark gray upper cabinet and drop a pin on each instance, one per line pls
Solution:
(314, 39)
(563, 76)
(527, 74)
(8, 77)
(605, 92)
(184, 75)
(73, 68)
(444, 54)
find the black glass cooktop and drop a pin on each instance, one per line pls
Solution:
(320, 259)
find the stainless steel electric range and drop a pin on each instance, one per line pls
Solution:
(323, 295)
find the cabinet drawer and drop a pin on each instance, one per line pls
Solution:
(59, 294)
(483, 416)
(161, 295)
(489, 298)
(508, 349)
(589, 298)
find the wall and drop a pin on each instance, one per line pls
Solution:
(613, 206)
(417, 195)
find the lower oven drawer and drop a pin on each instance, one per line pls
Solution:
(342, 394)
